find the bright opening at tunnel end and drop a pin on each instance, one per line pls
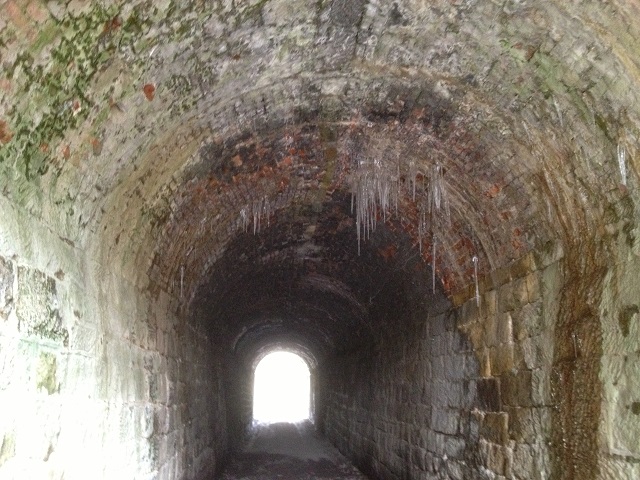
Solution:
(281, 390)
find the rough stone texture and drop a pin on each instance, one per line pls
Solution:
(620, 416)
(37, 306)
(6, 288)
(175, 200)
(289, 452)
(83, 369)
(464, 393)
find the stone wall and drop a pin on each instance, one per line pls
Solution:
(619, 433)
(459, 393)
(97, 380)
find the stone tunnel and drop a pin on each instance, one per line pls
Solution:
(435, 204)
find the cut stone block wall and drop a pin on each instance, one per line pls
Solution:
(461, 393)
(619, 433)
(96, 380)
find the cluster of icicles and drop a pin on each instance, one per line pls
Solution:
(377, 186)
(257, 211)
(376, 189)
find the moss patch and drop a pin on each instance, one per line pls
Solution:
(7, 448)
(624, 318)
(46, 373)
(37, 306)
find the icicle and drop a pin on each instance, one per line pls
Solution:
(256, 219)
(438, 201)
(397, 192)
(558, 111)
(181, 280)
(475, 279)
(622, 163)
(267, 210)
(372, 190)
(413, 174)
(433, 264)
(260, 209)
(244, 218)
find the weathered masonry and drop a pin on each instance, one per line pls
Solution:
(436, 204)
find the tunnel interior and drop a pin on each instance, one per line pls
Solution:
(434, 204)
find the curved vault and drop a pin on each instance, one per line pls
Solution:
(147, 132)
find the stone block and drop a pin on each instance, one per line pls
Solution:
(540, 387)
(489, 395)
(84, 338)
(454, 367)
(438, 325)
(145, 420)
(523, 266)
(489, 304)
(491, 330)
(496, 459)
(516, 388)
(46, 373)
(530, 353)
(6, 288)
(485, 363)
(502, 358)
(469, 313)
(533, 287)
(520, 293)
(444, 421)
(495, 428)
(439, 395)
(454, 447)
(38, 306)
(506, 298)
(455, 394)
(455, 470)
(541, 422)
(438, 368)
(614, 467)
(528, 321)
(520, 424)
(499, 277)
(508, 460)
(504, 329)
(470, 393)
(522, 464)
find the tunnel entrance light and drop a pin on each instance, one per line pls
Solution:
(281, 391)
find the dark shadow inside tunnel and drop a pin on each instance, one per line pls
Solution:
(433, 204)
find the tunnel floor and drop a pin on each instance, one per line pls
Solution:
(290, 451)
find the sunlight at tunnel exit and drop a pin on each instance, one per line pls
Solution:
(281, 391)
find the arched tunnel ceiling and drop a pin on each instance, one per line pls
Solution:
(148, 133)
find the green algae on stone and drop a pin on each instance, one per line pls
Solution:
(56, 95)
(6, 288)
(7, 447)
(624, 318)
(46, 373)
(37, 306)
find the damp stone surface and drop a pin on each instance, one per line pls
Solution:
(434, 204)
